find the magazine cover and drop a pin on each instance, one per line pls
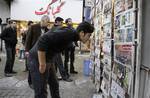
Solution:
(106, 82)
(107, 30)
(107, 11)
(124, 54)
(116, 90)
(129, 35)
(129, 18)
(107, 47)
(119, 6)
(129, 4)
(122, 75)
(120, 35)
(117, 22)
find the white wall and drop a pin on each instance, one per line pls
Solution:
(25, 9)
(4, 11)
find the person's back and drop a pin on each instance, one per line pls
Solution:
(56, 36)
(41, 57)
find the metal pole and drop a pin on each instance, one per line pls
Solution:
(1, 39)
(138, 50)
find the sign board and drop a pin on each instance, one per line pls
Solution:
(35, 9)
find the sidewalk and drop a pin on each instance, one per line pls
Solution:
(17, 87)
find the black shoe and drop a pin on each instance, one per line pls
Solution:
(13, 72)
(59, 78)
(68, 80)
(67, 75)
(8, 75)
(73, 72)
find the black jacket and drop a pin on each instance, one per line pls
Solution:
(54, 42)
(32, 36)
(9, 35)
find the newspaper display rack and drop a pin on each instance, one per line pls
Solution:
(113, 47)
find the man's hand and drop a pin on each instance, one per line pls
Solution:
(27, 54)
(42, 61)
(42, 68)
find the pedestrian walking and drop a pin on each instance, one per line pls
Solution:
(41, 57)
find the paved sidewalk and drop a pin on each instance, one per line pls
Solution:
(17, 87)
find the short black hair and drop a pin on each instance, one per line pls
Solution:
(59, 19)
(66, 21)
(30, 22)
(86, 27)
(10, 21)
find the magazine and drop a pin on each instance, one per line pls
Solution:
(124, 54)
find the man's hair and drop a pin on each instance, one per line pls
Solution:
(10, 21)
(30, 22)
(86, 27)
(67, 20)
(45, 17)
(59, 19)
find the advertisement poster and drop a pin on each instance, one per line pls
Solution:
(124, 54)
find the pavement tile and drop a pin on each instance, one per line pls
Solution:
(17, 86)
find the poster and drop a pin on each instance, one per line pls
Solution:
(124, 54)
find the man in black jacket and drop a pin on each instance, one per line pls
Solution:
(69, 51)
(41, 57)
(58, 59)
(33, 34)
(9, 35)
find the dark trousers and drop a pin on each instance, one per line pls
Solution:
(10, 54)
(59, 63)
(69, 53)
(40, 81)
